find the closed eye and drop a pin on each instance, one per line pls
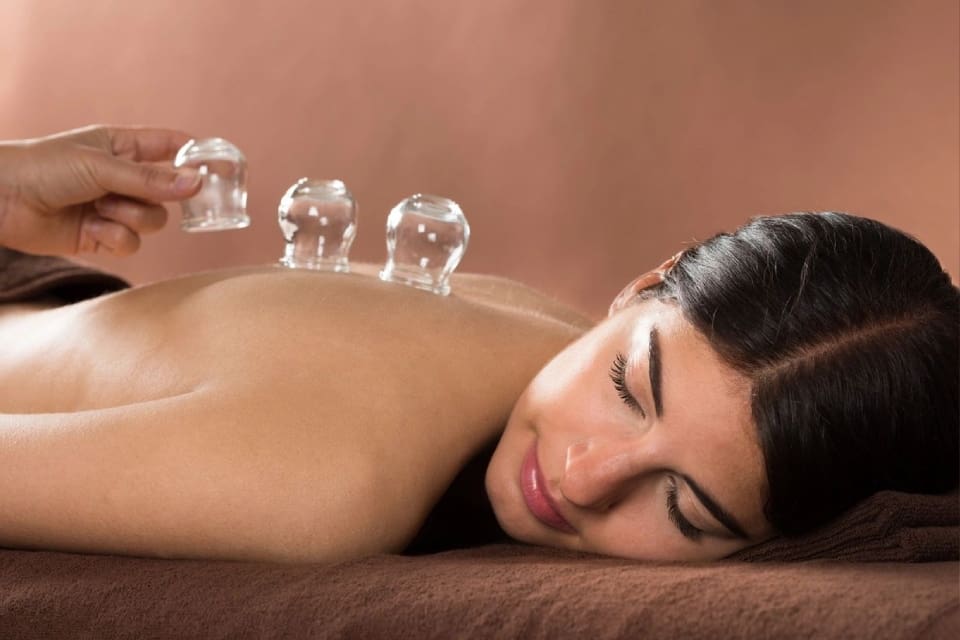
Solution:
(676, 516)
(618, 374)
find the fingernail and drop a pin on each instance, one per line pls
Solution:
(186, 179)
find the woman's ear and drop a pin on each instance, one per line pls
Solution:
(647, 280)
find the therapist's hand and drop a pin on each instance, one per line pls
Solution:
(92, 189)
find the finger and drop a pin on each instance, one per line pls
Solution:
(138, 216)
(98, 233)
(144, 144)
(156, 183)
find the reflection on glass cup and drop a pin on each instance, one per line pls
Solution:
(426, 238)
(221, 203)
(318, 219)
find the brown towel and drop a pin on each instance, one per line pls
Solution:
(508, 591)
(887, 527)
(23, 277)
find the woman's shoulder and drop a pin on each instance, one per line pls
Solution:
(508, 294)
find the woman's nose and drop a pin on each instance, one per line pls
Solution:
(599, 471)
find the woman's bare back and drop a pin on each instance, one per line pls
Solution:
(260, 413)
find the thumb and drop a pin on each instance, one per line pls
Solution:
(154, 183)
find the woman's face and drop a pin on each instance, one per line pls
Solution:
(635, 441)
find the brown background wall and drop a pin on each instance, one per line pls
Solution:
(586, 140)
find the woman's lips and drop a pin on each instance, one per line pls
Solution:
(536, 496)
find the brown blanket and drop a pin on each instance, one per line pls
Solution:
(887, 527)
(503, 591)
(23, 277)
(508, 591)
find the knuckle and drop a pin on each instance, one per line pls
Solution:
(94, 136)
(86, 168)
(100, 131)
(156, 177)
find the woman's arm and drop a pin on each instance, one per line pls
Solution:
(187, 477)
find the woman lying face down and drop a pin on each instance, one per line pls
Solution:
(757, 384)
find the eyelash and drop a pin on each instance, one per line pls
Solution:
(677, 518)
(618, 374)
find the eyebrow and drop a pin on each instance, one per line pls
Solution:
(656, 374)
(722, 515)
(654, 371)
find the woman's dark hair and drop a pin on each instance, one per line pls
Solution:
(849, 331)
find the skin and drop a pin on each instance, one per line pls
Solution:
(274, 415)
(250, 414)
(263, 414)
(270, 414)
(93, 189)
(607, 466)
